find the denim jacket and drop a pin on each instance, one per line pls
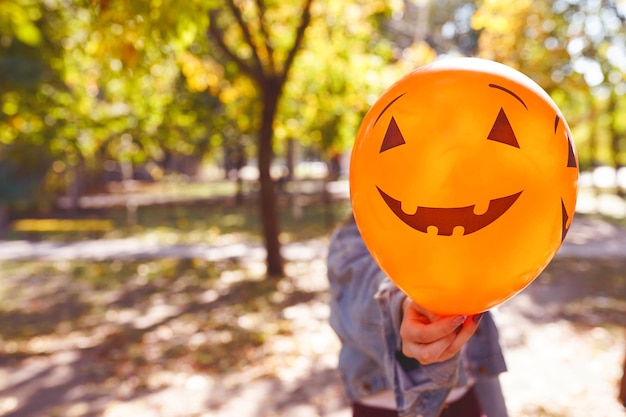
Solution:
(366, 313)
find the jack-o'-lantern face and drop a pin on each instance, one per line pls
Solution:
(463, 183)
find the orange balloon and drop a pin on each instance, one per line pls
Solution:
(463, 183)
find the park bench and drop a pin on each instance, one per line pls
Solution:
(35, 227)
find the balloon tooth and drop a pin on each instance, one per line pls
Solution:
(458, 231)
(432, 230)
(481, 207)
(409, 207)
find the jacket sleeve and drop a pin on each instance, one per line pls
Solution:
(366, 312)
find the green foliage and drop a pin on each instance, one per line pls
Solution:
(19, 18)
(574, 50)
(101, 80)
(331, 88)
(139, 81)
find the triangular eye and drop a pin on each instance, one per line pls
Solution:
(502, 131)
(393, 137)
(564, 219)
(571, 158)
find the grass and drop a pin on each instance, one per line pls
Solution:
(202, 218)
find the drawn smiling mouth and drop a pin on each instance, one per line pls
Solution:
(446, 219)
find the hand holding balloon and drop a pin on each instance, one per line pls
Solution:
(429, 337)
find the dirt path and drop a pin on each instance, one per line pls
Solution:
(564, 350)
(563, 336)
(564, 342)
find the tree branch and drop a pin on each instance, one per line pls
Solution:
(304, 23)
(218, 36)
(247, 36)
(268, 42)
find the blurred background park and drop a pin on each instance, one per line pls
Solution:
(170, 173)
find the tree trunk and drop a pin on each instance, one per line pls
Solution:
(74, 178)
(593, 150)
(268, 204)
(292, 156)
(615, 142)
(4, 218)
(261, 66)
(127, 171)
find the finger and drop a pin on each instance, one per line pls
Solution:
(415, 329)
(427, 353)
(446, 347)
(462, 336)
